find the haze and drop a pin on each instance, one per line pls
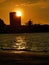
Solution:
(36, 10)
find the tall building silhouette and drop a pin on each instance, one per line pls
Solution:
(15, 21)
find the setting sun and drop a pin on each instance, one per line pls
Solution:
(18, 13)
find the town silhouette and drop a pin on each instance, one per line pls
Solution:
(16, 27)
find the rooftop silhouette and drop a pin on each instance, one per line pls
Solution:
(16, 27)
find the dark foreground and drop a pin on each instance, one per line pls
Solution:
(23, 58)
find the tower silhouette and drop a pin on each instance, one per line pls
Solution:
(15, 21)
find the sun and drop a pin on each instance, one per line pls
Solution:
(18, 13)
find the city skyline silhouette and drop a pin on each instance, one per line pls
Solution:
(16, 27)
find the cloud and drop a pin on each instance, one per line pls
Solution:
(38, 8)
(2, 1)
(24, 2)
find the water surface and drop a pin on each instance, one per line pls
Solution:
(27, 41)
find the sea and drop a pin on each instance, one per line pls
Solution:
(34, 42)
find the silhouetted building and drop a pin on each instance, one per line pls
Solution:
(16, 27)
(29, 23)
(2, 26)
(15, 21)
(1, 23)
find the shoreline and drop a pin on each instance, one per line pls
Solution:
(23, 57)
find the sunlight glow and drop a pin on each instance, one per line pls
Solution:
(18, 13)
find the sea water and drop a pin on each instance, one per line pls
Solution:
(28, 41)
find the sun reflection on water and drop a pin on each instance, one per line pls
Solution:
(20, 43)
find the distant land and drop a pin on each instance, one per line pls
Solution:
(16, 27)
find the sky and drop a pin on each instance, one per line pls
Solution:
(36, 10)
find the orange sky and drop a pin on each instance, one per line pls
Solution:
(36, 10)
